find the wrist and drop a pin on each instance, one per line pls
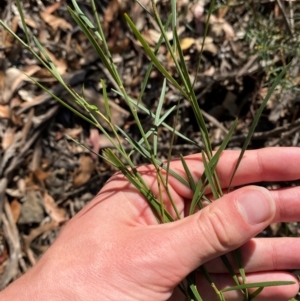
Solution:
(35, 285)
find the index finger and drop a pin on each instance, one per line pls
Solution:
(268, 164)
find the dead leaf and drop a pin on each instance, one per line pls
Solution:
(73, 132)
(34, 233)
(8, 138)
(228, 30)
(55, 22)
(40, 175)
(85, 171)
(208, 46)
(154, 35)
(6, 39)
(210, 71)
(4, 112)
(13, 80)
(2, 81)
(52, 8)
(32, 209)
(222, 11)
(111, 11)
(3, 252)
(220, 26)
(15, 207)
(57, 214)
(187, 43)
(60, 64)
(31, 23)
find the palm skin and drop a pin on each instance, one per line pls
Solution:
(114, 249)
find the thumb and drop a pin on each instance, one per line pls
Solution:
(221, 227)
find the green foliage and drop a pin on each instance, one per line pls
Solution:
(274, 36)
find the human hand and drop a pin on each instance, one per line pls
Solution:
(114, 249)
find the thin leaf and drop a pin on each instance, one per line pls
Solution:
(49, 61)
(255, 121)
(255, 293)
(153, 57)
(95, 44)
(106, 101)
(188, 173)
(157, 115)
(210, 11)
(147, 75)
(86, 20)
(209, 177)
(212, 165)
(257, 284)
(193, 288)
(147, 111)
(20, 10)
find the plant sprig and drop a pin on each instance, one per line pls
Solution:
(148, 144)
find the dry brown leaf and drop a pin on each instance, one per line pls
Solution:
(210, 71)
(52, 8)
(21, 76)
(2, 81)
(13, 79)
(57, 214)
(208, 46)
(31, 23)
(60, 64)
(220, 26)
(21, 185)
(55, 22)
(73, 132)
(84, 172)
(40, 175)
(154, 35)
(187, 43)
(8, 38)
(4, 112)
(111, 11)
(32, 210)
(8, 138)
(228, 30)
(222, 11)
(15, 207)
(3, 253)
(34, 233)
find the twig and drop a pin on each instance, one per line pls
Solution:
(214, 121)
(33, 235)
(3, 186)
(285, 17)
(13, 239)
(292, 20)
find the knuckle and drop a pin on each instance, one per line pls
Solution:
(216, 230)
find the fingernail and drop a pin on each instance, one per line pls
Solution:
(256, 205)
